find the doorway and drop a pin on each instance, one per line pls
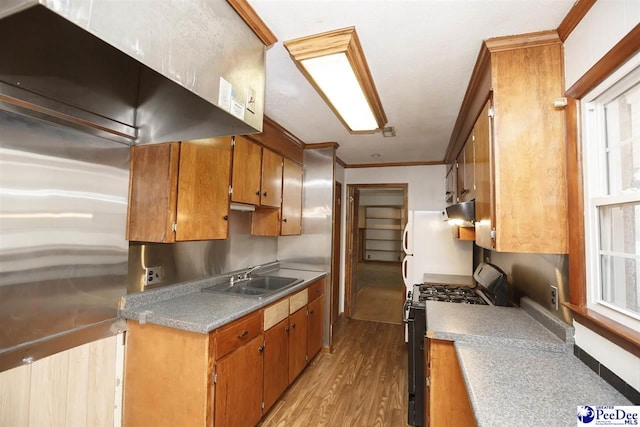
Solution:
(376, 216)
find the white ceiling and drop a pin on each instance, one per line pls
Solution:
(420, 52)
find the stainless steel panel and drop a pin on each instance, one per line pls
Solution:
(531, 275)
(63, 208)
(192, 260)
(153, 69)
(313, 249)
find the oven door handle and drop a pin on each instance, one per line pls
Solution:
(405, 311)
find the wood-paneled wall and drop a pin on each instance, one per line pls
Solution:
(76, 387)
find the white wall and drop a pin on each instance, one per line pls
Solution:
(426, 188)
(426, 183)
(607, 22)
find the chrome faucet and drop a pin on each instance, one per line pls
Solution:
(246, 275)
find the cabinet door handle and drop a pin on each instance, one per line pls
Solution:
(284, 220)
(226, 217)
(264, 194)
(310, 311)
(293, 325)
(258, 193)
(243, 334)
(261, 348)
(286, 329)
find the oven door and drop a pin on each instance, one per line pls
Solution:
(416, 329)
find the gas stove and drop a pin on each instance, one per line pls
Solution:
(455, 294)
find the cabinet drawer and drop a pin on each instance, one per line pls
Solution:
(238, 333)
(297, 301)
(276, 313)
(316, 289)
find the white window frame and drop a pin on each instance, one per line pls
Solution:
(595, 186)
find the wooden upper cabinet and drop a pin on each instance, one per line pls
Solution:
(465, 174)
(469, 169)
(247, 161)
(450, 195)
(521, 202)
(271, 179)
(153, 189)
(484, 189)
(291, 198)
(182, 187)
(203, 189)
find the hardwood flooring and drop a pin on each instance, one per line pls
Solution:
(363, 383)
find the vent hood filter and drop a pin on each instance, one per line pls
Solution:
(462, 214)
(132, 71)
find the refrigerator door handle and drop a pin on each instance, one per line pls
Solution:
(405, 271)
(405, 238)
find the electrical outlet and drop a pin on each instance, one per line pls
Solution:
(554, 296)
(152, 275)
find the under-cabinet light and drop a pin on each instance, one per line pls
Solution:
(335, 65)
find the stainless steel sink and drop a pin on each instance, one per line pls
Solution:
(254, 287)
(271, 282)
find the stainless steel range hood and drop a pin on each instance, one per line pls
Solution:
(132, 71)
(462, 214)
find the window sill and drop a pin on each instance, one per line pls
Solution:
(615, 332)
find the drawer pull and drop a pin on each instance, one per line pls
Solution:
(243, 334)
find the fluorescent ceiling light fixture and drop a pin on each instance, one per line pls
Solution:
(335, 65)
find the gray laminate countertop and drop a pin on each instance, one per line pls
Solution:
(517, 364)
(510, 386)
(184, 306)
(506, 326)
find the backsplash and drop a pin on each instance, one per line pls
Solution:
(185, 261)
(532, 275)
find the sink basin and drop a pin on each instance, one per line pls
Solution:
(256, 287)
(271, 282)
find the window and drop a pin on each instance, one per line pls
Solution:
(612, 195)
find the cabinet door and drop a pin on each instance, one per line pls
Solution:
(203, 189)
(448, 400)
(291, 199)
(469, 169)
(276, 362)
(297, 342)
(153, 186)
(271, 179)
(247, 159)
(460, 177)
(484, 186)
(238, 396)
(315, 326)
(450, 194)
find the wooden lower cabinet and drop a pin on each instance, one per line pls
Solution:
(238, 400)
(315, 326)
(276, 362)
(446, 400)
(297, 343)
(223, 378)
(168, 377)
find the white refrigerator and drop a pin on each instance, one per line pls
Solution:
(430, 247)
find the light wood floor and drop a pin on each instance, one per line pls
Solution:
(378, 304)
(363, 383)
